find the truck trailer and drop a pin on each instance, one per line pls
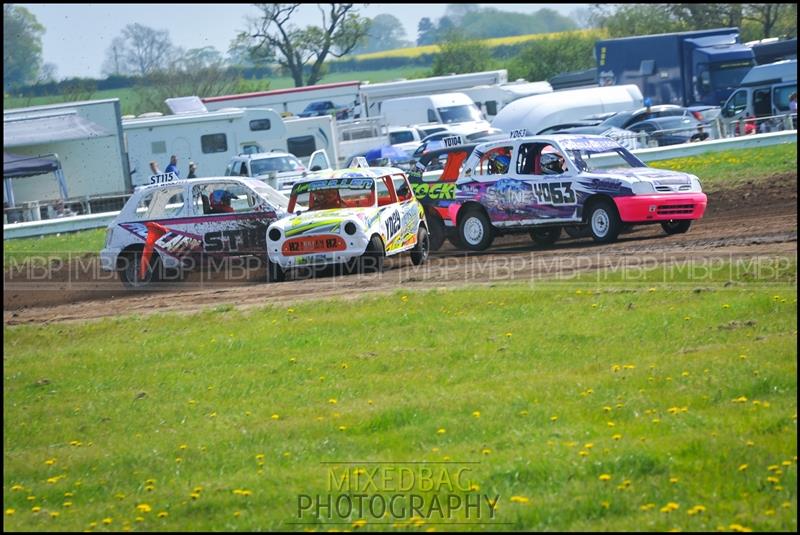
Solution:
(687, 68)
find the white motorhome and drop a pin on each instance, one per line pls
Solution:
(763, 92)
(211, 139)
(290, 101)
(373, 94)
(455, 110)
(490, 99)
(539, 112)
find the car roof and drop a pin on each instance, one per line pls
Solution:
(265, 155)
(353, 172)
(204, 180)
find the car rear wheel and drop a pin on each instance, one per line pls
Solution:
(275, 272)
(475, 230)
(419, 254)
(604, 222)
(130, 272)
(546, 236)
(676, 226)
(436, 234)
(372, 259)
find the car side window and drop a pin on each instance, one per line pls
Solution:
(487, 165)
(384, 193)
(402, 188)
(222, 198)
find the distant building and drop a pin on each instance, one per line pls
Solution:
(87, 138)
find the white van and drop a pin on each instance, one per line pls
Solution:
(540, 112)
(456, 110)
(764, 92)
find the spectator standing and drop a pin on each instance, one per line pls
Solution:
(173, 166)
(154, 168)
(192, 170)
(793, 109)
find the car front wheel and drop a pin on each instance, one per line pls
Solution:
(275, 272)
(475, 230)
(372, 259)
(604, 222)
(130, 272)
(419, 254)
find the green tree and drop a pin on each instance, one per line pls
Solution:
(140, 50)
(385, 33)
(458, 55)
(426, 32)
(544, 58)
(772, 17)
(22, 47)
(302, 52)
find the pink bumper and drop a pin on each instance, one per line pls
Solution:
(642, 208)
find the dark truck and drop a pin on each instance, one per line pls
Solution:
(437, 193)
(688, 68)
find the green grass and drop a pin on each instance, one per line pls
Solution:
(519, 379)
(729, 169)
(51, 246)
(129, 99)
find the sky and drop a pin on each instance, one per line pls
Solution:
(77, 35)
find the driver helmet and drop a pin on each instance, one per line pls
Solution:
(551, 161)
(221, 200)
(501, 163)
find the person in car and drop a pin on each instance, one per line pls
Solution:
(499, 163)
(325, 199)
(551, 162)
(220, 202)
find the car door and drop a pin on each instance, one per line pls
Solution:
(236, 229)
(547, 197)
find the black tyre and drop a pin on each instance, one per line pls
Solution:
(419, 254)
(275, 273)
(676, 226)
(372, 259)
(130, 274)
(454, 240)
(578, 231)
(546, 236)
(436, 233)
(604, 221)
(475, 230)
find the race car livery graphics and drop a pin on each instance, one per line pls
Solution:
(190, 219)
(338, 218)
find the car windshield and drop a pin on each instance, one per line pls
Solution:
(272, 195)
(591, 155)
(618, 119)
(728, 75)
(328, 194)
(403, 136)
(279, 164)
(460, 114)
(317, 106)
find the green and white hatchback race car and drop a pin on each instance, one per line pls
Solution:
(354, 217)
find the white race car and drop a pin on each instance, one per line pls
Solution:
(181, 224)
(354, 217)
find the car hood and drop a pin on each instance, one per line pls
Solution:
(658, 177)
(324, 221)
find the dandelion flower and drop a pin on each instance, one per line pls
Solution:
(441, 431)
(143, 508)
(476, 414)
(604, 477)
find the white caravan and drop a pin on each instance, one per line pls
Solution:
(290, 101)
(539, 112)
(373, 94)
(455, 110)
(490, 99)
(211, 139)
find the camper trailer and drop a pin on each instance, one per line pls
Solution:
(539, 112)
(211, 139)
(372, 95)
(290, 101)
(455, 110)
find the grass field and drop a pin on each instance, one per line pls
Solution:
(129, 99)
(582, 408)
(722, 169)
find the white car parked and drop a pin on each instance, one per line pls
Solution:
(278, 169)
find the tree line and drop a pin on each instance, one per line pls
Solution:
(273, 44)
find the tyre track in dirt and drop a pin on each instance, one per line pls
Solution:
(756, 219)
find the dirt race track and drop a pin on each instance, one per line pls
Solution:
(756, 220)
